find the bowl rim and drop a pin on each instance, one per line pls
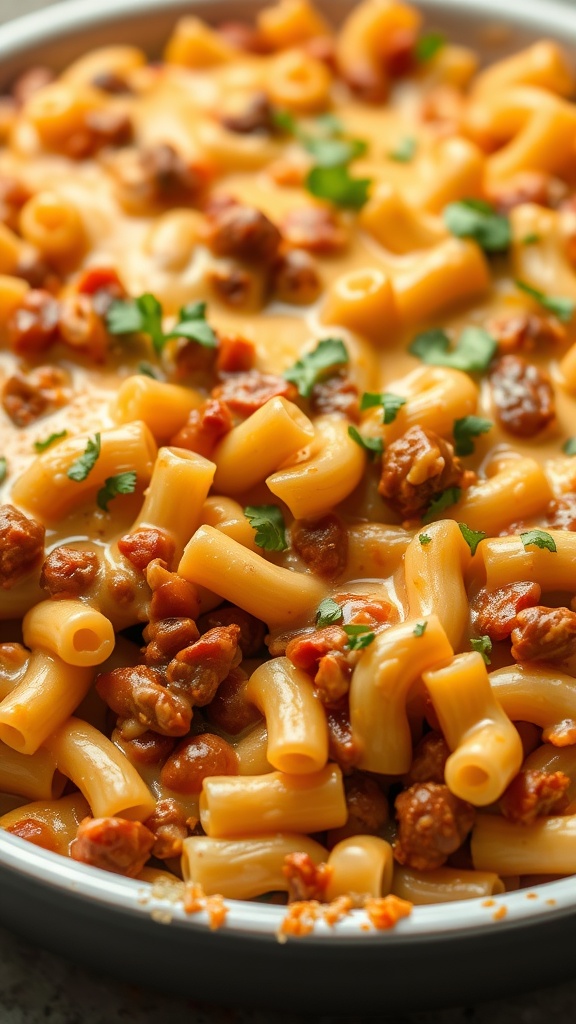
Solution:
(250, 919)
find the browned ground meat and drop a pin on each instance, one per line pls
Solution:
(149, 748)
(113, 844)
(138, 693)
(315, 228)
(544, 634)
(28, 396)
(168, 826)
(204, 428)
(523, 396)
(68, 572)
(432, 823)
(145, 544)
(306, 880)
(534, 793)
(33, 326)
(254, 119)
(172, 596)
(244, 393)
(157, 174)
(235, 354)
(366, 803)
(305, 651)
(166, 637)
(415, 469)
(522, 331)
(21, 546)
(527, 187)
(244, 233)
(561, 513)
(36, 832)
(336, 394)
(13, 195)
(428, 760)
(196, 759)
(322, 544)
(494, 611)
(81, 326)
(230, 710)
(332, 679)
(244, 37)
(236, 287)
(197, 671)
(252, 630)
(296, 279)
(341, 745)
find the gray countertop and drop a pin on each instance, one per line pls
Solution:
(37, 987)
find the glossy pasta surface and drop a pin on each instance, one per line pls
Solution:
(288, 461)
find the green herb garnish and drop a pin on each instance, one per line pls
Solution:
(420, 628)
(473, 218)
(428, 45)
(373, 445)
(482, 645)
(473, 352)
(569, 446)
(472, 537)
(404, 151)
(268, 522)
(538, 539)
(122, 483)
(563, 308)
(41, 446)
(424, 539)
(465, 429)
(390, 403)
(337, 185)
(84, 464)
(448, 497)
(328, 613)
(3, 468)
(359, 637)
(310, 368)
(143, 315)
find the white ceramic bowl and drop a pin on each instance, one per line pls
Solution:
(442, 954)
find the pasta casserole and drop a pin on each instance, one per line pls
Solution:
(287, 450)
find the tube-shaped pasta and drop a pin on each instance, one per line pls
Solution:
(33, 776)
(195, 45)
(548, 847)
(543, 64)
(75, 632)
(295, 719)
(59, 109)
(259, 445)
(176, 494)
(318, 483)
(492, 504)
(251, 751)
(444, 885)
(486, 748)
(290, 22)
(379, 687)
(164, 408)
(396, 224)
(114, 60)
(105, 777)
(236, 805)
(434, 575)
(375, 549)
(362, 40)
(60, 818)
(452, 271)
(360, 864)
(567, 367)
(227, 515)
(435, 397)
(221, 564)
(299, 82)
(46, 696)
(44, 488)
(12, 292)
(240, 869)
(53, 225)
(506, 560)
(363, 301)
(452, 169)
(543, 696)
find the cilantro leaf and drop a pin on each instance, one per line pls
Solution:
(328, 613)
(268, 522)
(122, 483)
(472, 537)
(142, 315)
(337, 185)
(563, 308)
(420, 628)
(404, 151)
(424, 539)
(359, 637)
(84, 464)
(3, 468)
(330, 124)
(328, 354)
(390, 403)
(530, 239)
(284, 121)
(428, 45)
(483, 645)
(373, 445)
(465, 429)
(473, 218)
(41, 446)
(448, 497)
(472, 354)
(569, 446)
(147, 371)
(538, 539)
(334, 152)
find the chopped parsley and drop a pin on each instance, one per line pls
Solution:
(448, 497)
(328, 613)
(473, 352)
(569, 446)
(3, 468)
(473, 218)
(538, 539)
(268, 522)
(41, 446)
(404, 151)
(143, 315)
(424, 539)
(531, 238)
(327, 142)
(390, 403)
(428, 45)
(562, 307)
(84, 464)
(336, 184)
(472, 537)
(359, 637)
(465, 429)
(482, 645)
(420, 628)
(373, 445)
(328, 355)
(122, 483)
